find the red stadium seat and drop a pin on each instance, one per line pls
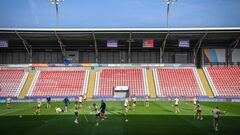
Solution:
(226, 80)
(177, 82)
(109, 78)
(59, 83)
(10, 81)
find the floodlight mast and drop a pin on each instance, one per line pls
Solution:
(162, 49)
(56, 3)
(169, 2)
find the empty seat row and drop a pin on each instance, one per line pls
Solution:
(10, 81)
(131, 77)
(226, 80)
(176, 82)
(58, 83)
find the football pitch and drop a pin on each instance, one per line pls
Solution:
(158, 118)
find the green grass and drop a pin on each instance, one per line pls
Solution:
(157, 119)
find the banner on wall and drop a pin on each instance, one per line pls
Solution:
(148, 43)
(183, 43)
(3, 43)
(214, 55)
(112, 43)
(95, 65)
(39, 65)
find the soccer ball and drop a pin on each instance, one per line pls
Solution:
(20, 116)
(126, 120)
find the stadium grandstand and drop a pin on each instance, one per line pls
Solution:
(65, 62)
(143, 76)
(111, 67)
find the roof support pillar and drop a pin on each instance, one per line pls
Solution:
(162, 49)
(235, 43)
(95, 45)
(197, 46)
(30, 58)
(129, 47)
(231, 48)
(63, 50)
(27, 46)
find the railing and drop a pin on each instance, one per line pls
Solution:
(222, 64)
(199, 82)
(146, 88)
(96, 84)
(210, 81)
(22, 83)
(33, 83)
(157, 82)
(84, 92)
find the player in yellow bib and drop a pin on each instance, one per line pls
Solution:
(146, 101)
(176, 105)
(80, 100)
(216, 116)
(126, 109)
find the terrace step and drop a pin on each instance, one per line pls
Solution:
(151, 84)
(205, 83)
(91, 83)
(26, 86)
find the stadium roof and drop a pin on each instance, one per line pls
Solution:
(74, 38)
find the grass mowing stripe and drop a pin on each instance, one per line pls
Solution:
(11, 111)
(15, 111)
(158, 118)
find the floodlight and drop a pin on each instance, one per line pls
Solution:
(56, 1)
(169, 2)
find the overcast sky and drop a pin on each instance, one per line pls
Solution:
(119, 13)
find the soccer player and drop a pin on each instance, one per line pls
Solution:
(126, 106)
(48, 102)
(103, 109)
(76, 112)
(198, 111)
(85, 97)
(146, 101)
(38, 108)
(59, 110)
(80, 100)
(194, 102)
(8, 102)
(177, 105)
(97, 113)
(95, 109)
(216, 115)
(126, 109)
(66, 103)
(134, 102)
